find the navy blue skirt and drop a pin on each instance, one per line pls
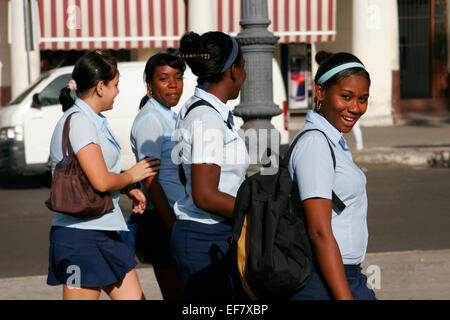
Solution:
(149, 239)
(316, 288)
(203, 257)
(87, 258)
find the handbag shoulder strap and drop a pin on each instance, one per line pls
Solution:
(67, 147)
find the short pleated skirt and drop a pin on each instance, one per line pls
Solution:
(149, 239)
(87, 258)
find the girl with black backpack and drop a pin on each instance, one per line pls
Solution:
(215, 161)
(338, 237)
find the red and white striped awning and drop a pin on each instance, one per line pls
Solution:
(117, 24)
(111, 24)
(291, 20)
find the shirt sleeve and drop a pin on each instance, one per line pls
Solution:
(312, 165)
(82, 132)
(208, 134)
(148, 134)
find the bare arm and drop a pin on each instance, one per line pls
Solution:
(318, 218)
(205, 190)
(94, 167)
(159, 199)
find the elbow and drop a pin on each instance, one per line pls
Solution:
(199, 201)
(319, 236)
(202, 200)
(101, 187)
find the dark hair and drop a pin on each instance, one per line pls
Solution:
(207, 54)
(158, 60)
(89, 70)
(328, 61)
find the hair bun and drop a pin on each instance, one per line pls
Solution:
(206, 54)
(322, 55)
(190, 43)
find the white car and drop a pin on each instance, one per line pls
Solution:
(27, 123)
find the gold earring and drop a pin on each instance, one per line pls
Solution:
(319, 106)
(149, 93)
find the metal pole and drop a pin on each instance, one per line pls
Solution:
(256, 106)
(29, 43)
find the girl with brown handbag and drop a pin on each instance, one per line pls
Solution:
(88, 253)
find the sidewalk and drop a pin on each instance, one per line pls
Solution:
(418, 140)
(410, 275)
(407, 275)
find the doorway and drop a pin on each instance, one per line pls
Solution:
(423, 76)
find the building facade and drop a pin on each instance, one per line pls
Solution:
(403, 43)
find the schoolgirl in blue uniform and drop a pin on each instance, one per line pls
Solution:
(88, 253)
(151, 136)
(215, 161)
(339, 238)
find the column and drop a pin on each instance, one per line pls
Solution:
(375, 42)
(25, 64)
(256, 106)
(201, 16)
(1, 84)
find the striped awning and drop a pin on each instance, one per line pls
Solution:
(291, 20)
(111, 24)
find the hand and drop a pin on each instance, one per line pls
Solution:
(143, 169)
(138, 199)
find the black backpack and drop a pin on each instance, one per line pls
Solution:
(270, 245)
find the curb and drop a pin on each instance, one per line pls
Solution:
(434, 157)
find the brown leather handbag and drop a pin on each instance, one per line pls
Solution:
(71, 193)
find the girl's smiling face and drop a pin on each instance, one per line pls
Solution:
(344, 102)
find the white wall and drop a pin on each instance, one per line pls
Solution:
(5, 73)
(25, 67)
(200, 17)
(375, 42)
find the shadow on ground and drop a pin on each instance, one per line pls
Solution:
(25, 182)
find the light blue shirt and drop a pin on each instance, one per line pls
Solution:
(311, 167)
(88, 127)
(151, 135)
(205, 138)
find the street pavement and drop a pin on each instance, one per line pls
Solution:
(416, 140)
(403, 275)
